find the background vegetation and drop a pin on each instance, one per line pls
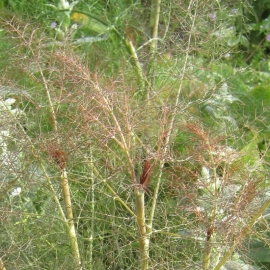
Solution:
(134, 134)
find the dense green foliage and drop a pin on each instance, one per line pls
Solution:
(133, 139)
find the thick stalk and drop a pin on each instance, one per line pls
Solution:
(139, 193)
(136, 63)
(68, 217)
(169, 133)
(154, 23)
(208, 248)
(65, 188)
(2, 266)
(207, 253)
(70, 222)
(170, 130)
(206, 256)
(143, 237)
(71, 232)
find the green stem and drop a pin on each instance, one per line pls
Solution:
(207, 255)
(92, 214)
(2, 265)
(243, 234)
(168, 137)
(143, 237)
(154, 23)
(71, 231)
(95, 171)
(136, 63)
(68, 218)
(70, 221)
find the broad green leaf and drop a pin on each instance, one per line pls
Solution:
(233, 41)
(244, 41)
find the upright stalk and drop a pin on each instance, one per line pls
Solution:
(154, 23)
(71, 231)
(169, 133)
(70, 222)
(136, 63)
(68, 218)
(2, 266)
(206, 257)
(145, 230)
(207, 250)
(92, 214)
(143, 237)
(134, 60)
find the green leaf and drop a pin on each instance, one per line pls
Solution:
(250, 152)
(233, 41)
(261, 95)
(244, 41)
(259, 251)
